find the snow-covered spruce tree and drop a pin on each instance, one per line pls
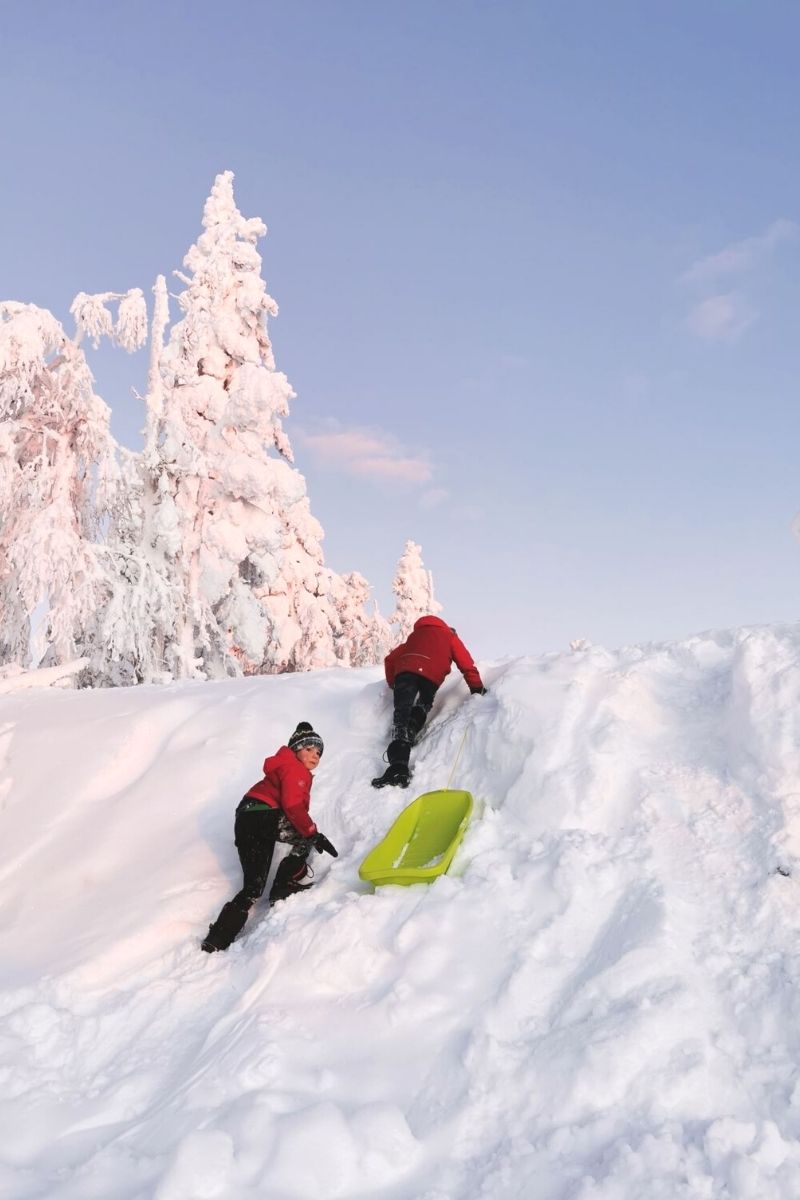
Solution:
(137, 616)
(231, 512)
(413, 587)
(366, 638)
(141, 617)
(57, 475)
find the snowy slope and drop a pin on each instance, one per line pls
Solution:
(601, 1001)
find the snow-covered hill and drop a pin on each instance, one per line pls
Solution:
(600, 1002)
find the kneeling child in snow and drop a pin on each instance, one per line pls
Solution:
(276, 809)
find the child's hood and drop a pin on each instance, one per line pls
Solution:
(286, 762)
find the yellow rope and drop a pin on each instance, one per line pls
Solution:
(458, 756)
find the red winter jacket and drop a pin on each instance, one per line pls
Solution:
(429, 650)
(287, 785)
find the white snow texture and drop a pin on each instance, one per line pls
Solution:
(601, 1001)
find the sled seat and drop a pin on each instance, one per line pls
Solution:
(422, 842)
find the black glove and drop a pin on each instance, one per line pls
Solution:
(323, 846)
(478, 691)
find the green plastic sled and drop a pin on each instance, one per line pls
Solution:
(421, 843)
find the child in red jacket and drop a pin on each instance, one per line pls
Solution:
(274, 810)
(415, 671)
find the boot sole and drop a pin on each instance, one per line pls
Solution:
(298, 891)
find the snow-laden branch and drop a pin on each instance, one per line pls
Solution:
(14, 678)
(94, 320)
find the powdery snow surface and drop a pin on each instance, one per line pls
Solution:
(601, 1001)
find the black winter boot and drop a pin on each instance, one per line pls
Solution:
(397, 774)
(228, 925)
(288, 889)
(394, 776)
(292, 876)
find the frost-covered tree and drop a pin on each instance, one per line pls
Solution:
(200, 556)
(138, 613)
(365, 638)
(57, 476)
(413, 587)
(142, 614)
(231, 513)
(140, 617)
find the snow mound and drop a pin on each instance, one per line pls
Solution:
(600, 1001)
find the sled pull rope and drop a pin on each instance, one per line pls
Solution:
(458, 755)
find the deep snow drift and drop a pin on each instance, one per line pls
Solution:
(600, 1002)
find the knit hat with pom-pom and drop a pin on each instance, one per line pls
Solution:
(304, 736)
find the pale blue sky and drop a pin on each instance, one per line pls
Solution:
(542, 256)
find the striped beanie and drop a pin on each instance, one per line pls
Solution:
(304, 736)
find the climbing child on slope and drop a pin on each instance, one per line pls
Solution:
(274, 810)
(415, 671)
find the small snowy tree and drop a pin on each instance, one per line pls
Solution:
(137, 602)
(365, 638)
(139, 620)
(58, 473)
(231, 514)
(142, 614)
(413, 587)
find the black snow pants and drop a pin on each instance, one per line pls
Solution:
(257, 829)
(413, 697)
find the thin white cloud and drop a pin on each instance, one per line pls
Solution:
(368, 452)
(795, 526)
(725, 316)
(741, 257)
(433, 498)
(722, 318)
(383, 466)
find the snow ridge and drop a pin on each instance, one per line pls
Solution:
(600, 1000)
